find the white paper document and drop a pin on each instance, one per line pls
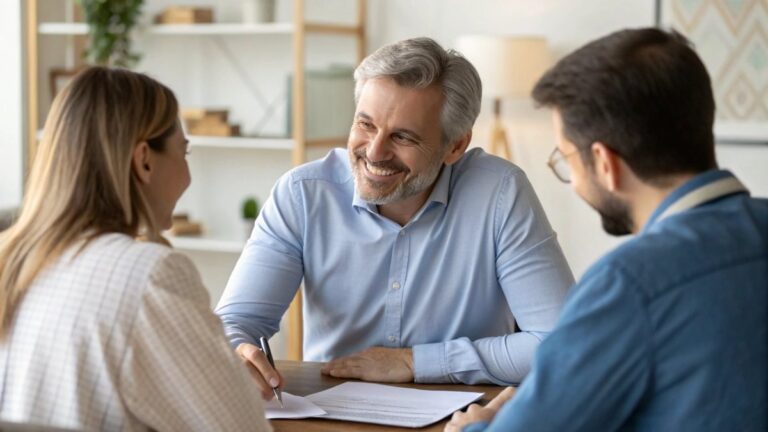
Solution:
(389, 405)
(294, 407)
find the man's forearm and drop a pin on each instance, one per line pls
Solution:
(502, 360)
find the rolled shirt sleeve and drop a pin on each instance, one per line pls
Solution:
(534, 276)
(268, 272)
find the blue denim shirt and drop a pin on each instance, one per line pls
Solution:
(478, 257)
(666, 333)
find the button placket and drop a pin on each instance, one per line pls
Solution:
(394, 295)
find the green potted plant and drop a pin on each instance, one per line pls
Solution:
(250, 213)
(109, 26)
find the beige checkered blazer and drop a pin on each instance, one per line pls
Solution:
(120, 337)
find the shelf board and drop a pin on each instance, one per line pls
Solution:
(315, 27)
(254, 143)
(206, 244)
(327, 142)
(241, 142)
(65, 28)
(62, 28)
(220, 29)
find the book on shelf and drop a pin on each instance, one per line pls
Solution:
(330, 102)
(207, 122)
(185, 15)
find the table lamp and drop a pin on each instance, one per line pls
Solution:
(509, 66)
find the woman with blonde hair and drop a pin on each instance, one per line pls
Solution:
(102, 325)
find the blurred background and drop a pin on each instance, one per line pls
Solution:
(246, 72)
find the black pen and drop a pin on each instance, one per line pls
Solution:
(268, 353)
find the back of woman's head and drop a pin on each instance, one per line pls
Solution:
(81, 183)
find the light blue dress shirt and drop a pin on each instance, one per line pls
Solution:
(478, 257)
(669, 332)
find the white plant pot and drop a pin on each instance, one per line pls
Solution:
(258, 11)
(248, 227)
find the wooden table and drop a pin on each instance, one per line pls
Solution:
(304, 378)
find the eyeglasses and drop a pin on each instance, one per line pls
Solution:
(557, 162)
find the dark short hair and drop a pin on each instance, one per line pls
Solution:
(644, 93)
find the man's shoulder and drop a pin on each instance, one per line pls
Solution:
(477, 162)
(333, 168)
(479, 171)
(686, 247)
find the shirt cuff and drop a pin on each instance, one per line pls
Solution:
(430, 364)
(475, 427)
(237, 337)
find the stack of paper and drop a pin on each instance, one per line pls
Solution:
(294, 407)
(375, 403)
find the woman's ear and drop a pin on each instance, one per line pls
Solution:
(142, 163)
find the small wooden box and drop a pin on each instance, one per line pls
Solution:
(195, 114)
(206, 127)
(183, 226)
(185, 15)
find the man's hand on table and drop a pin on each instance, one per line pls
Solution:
(475, 413)
(261, 371)
(374, 364)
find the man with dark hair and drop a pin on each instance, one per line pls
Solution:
(668, 332)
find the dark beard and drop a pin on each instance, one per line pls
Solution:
(613, 213)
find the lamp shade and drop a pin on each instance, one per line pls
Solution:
(509, 66)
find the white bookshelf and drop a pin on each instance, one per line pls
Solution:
(221, 29)
(64, 28)
(206, 244)
(203, 63)
(252, 143)
(234, 142)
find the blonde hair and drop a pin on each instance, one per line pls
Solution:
(81, 183)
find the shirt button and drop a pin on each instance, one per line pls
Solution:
(391, 338)
(396, 285)
(402, 233)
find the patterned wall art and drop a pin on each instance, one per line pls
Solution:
(731, 36)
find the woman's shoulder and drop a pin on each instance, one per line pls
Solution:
(128, 258)
(123, 250)
(137, 265)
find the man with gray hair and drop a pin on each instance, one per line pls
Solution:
(418, 257)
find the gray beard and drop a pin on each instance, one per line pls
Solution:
(408, 188)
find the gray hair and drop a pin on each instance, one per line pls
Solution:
(421, 62)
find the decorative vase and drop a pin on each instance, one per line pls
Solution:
(258, 11)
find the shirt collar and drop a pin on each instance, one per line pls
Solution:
(439, 193)
(696, 182)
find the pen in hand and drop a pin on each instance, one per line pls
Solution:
(268, 353)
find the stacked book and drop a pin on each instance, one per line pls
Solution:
(207, 122)
(184, 15)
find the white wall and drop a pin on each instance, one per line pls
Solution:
(11, 108)
(567, 25)
(197, 72)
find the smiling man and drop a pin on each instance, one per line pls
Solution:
(418, 258)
